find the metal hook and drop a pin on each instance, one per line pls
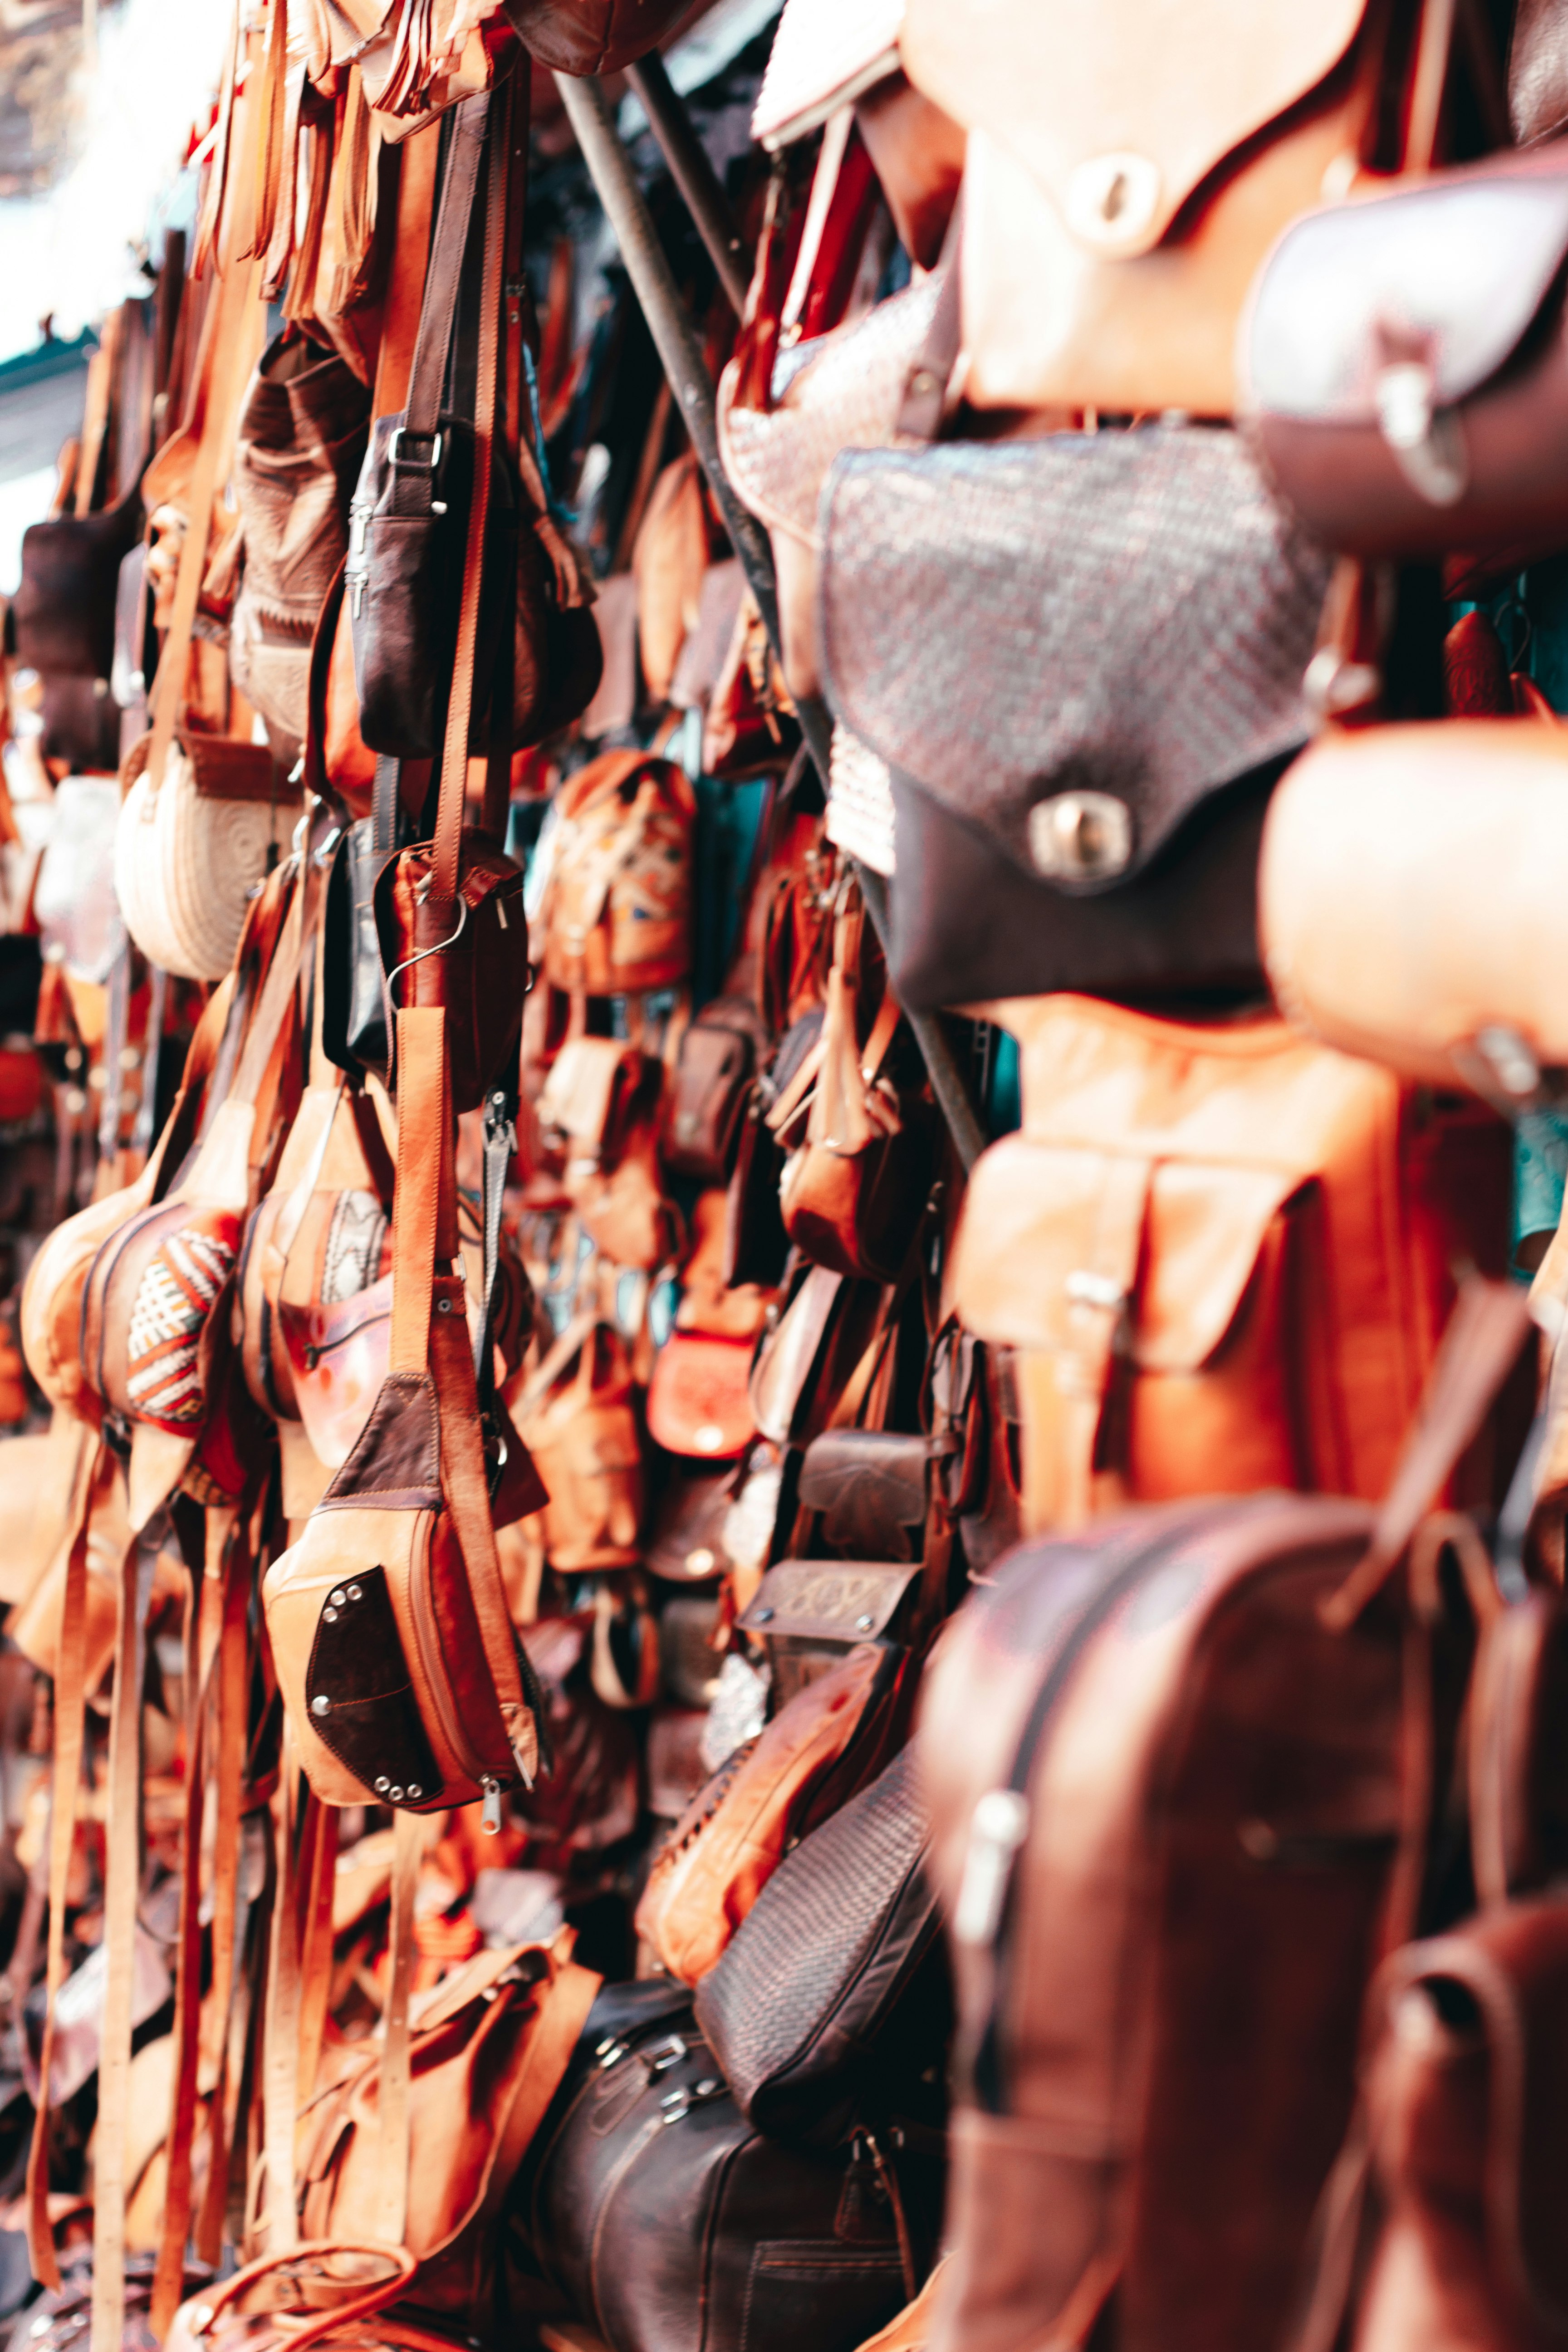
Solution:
(407, 960)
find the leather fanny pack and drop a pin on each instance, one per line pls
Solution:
(388, 1619)
(1083, 678)
(1404, 371)
(1437, 964)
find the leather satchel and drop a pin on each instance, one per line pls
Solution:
(826, 1743)
(1083, 678)
(1402, 383)
(1400, 920)
(1185, 1245)
(388, 1620)
(741, 2239)
(1179, 1650)
(1119, 193)
(834, 1995)
(697, 1400)
(300, 441)
(868, 1488)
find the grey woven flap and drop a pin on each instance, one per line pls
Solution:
(1068, 642)
(816, 1988)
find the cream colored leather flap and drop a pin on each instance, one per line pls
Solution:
(1120, 107)
(578, 1096)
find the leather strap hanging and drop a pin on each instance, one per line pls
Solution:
(122, 1883)
(232, 1677)
(392, 2200)
(95, 1468)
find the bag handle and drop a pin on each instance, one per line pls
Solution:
(363, 2305)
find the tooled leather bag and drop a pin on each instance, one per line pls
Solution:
(834, 1993)
(1145, 199)
(297, 456)
(402, 1676)
(1084, 722)
(1404, 384)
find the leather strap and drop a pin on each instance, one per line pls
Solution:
(271, 121)
(345, 2315)
(418, 158)
(228, 353)
(230, 1695)
(392, 2186)
(124, 1840)
(316, 1942)
(281, 2059)
(414, 476)
(95, 1468)
(453, 792)
(419, 1228)
(1486, 1333)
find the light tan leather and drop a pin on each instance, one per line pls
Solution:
(1084, 282)
(1224, 1256)
(1407, 899)
(575, 1415)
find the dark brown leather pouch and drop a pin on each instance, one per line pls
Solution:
(713, 1076)
(810, 1613)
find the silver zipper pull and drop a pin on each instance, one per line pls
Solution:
(489, 1819)
(999, 1826)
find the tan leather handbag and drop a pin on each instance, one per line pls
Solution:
(1129, 167)
(388, 1620)
(575, 1415)
(1223, 1255)
(1407, 899)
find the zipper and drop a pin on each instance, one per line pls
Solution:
(453, 1731)
(1000, 1822)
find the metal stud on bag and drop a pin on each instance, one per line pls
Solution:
(1081, 837)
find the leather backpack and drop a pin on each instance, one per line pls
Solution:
(1202, 1763)
(574, 1413)
(388, 1620)
(617, 907)
(1223, 1255)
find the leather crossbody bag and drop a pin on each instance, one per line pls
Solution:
(1403, 365)
(1085, 718)
(1115, 213)
(388, 1620)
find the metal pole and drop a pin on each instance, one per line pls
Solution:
(694, 175)
(625, 208)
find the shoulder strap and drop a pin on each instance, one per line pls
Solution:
(459, 710)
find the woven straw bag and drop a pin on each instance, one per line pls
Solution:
(190, 851)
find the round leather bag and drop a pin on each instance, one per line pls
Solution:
(188, 854)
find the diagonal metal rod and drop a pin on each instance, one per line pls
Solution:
(694, 175)
(625, 208)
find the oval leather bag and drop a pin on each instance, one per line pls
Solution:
(190, 849)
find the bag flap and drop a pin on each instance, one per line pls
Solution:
(1123, 1255)
(829, 1600)
(1446, 277)
(1120, 150)
(588, 1079)
(699, 1399)
(870, 1484)
(228, 769)
(1070, 641)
